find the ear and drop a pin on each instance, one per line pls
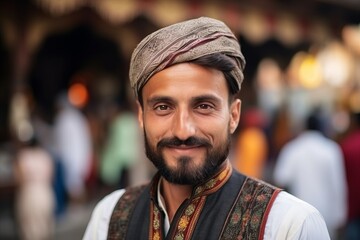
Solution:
(235, 111)
(140, 114)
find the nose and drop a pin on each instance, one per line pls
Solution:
(183, 125)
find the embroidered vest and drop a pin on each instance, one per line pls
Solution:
(237, 209)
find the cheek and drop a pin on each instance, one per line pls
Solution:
(154, 130)
(216, 132)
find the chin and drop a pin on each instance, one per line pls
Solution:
(187, 172)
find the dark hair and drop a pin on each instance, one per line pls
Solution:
(218, 61)
(314, 121)
(222, 63)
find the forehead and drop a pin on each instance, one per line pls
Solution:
(186, 79)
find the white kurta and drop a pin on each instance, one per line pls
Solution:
(312, 167)
(289, 218)
(74, 147)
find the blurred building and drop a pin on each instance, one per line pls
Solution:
(47, 45)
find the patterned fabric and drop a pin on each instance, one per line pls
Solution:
(191, 209)
(183, 42)
(155, 220)
(240, 206)
(122, 212)
(249, 214)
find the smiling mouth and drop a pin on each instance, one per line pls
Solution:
(185, 147)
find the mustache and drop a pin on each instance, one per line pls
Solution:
(176, 142)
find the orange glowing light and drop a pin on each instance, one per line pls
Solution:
(78, 95)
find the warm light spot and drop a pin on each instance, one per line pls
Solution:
(78, 95)
(337, 64)
(310, 73)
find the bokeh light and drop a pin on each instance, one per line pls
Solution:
(78, 95)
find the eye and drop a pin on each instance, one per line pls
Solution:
(162, 109)
(204, 108)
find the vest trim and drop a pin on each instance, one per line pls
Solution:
(266, 214)
(249, 213)
(120, 217)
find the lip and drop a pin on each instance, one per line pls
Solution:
(183, 149)
(185, 146)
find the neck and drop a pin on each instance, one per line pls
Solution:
(174, 195)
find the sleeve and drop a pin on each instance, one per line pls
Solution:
(97, 227)
(293, 219)
(337, 184)
(313, 227)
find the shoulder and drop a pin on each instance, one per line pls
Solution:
(292, 218)
(97, 227)
(108, 202)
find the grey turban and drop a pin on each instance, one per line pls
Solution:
(183, 42)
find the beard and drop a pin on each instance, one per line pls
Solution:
(186, 172)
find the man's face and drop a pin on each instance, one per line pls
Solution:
(187, 121)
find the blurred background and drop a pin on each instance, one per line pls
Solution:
(68, 130)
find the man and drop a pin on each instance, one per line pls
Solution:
(185, 77)
(311, 167)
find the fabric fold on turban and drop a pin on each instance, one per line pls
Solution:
(183, 42)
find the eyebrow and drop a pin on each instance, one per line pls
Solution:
(157, 99)
(207, 97)
(200, 98)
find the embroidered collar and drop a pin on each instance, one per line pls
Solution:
(214, 183)
(187, 215)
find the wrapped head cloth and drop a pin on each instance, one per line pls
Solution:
(184, 42)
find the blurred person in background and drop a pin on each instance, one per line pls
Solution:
(251, 147)
(186, 78)
(121, 147)
(350, 146)
(311, 167)
(45, 136)
(35, 202)
(279, 132)
(73, 147)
